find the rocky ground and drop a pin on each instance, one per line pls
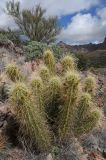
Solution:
(90, 147)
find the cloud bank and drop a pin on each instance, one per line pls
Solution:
(85, 28)
(82, 28)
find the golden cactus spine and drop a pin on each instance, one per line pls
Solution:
(49, 61)
(90, 85)
(66, 117)
(33, 126)
(3, 143)
(14, 73)
(68, 63)
(53, 95)
(37, 89)
(44, 74)
(86, 119)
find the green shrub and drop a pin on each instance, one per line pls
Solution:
(36, 49)
(3, 39)
(83, 61)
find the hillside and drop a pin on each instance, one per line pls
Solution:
(84, 48)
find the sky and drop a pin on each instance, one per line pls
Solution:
(82, 21)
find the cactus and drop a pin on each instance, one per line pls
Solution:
(13, 73)
(88, 124)
(84, 106)
(68, 63)
(53, 96)
(37, 88)
(3, 143)
(3, 91)
(3, 88)
(44, 74)
(71, 87)
(49, 61)
(58, 97)
(90, 85)
(85, 119)
(33, 127)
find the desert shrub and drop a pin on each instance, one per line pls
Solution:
(83, 61)
(9, 35)
(53, 106)
(36, 49)
(56, 50)
(3, 39)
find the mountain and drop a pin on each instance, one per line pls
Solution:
(83, 48)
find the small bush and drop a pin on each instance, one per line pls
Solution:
(83, 61)
(36, 49)
(3, 39)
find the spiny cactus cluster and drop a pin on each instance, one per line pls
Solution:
(3, 143)
(33, 126)
(3, 88)
(90, 85)
(52, 104)
(14, 73)
(49, 60)
(68, 63)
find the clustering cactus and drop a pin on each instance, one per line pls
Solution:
(33, 128)
(14, 73)
(37, 88)
(71, 92)
(86, 119)
(62, 97)
(44, 74)
(53, 96)
(49, 60)
(3, 143)
(68, 63)
(3, 91)
(90, 85)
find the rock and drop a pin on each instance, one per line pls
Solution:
(90, 142)
(49, 157)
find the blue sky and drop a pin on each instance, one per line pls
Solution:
(82, 21)
(64, 20)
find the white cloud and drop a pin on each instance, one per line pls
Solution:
(54, 7)
(61, 7)
(85, 28)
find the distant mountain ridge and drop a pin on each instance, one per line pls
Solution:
(83, 48)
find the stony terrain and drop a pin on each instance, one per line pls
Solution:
(91, 147)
